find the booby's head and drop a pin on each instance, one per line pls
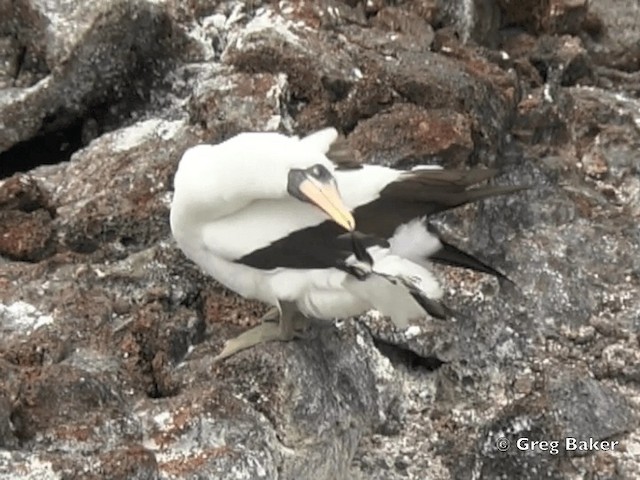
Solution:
(213, 181)
(317, 186)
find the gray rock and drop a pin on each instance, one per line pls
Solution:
(83, 55)
(616, 34)
(476, 21)
(107, 332)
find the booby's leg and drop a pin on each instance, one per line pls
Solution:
(267, 331)
(272, 315)
(293, 323)
(287, 326)
(300, 324)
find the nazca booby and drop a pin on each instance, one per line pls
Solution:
(269, 216)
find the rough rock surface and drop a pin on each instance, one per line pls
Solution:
(107, 332)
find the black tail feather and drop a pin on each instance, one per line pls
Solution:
(435, 308)
(480, 193)
(454, 257)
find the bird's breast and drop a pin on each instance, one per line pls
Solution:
(257, 226)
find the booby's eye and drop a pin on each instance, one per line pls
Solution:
(320, 172)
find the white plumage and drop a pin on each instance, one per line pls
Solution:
(234, 214)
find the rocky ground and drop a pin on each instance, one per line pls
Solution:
(107, 332)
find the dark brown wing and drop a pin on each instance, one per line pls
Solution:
(425, 192)
(440, 190)
(321, 246)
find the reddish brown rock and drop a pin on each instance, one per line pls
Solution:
(530, 14)
(541, 120)
(126, 463)
(427, 9)
(25, 236)
(566, 16)
(228, 103)
(552, 16)
(91, 214)
(68, 392)
(407, 134)
(312, 63)
(562, 60)
(415, 30)
(26, 194)
(26, 219)
(106, 344)
(437, 82)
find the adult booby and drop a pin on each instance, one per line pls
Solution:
(281, 220)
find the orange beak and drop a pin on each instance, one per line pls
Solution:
(326, 197)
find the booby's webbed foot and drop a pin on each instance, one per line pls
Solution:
(265, 332)
(286, 329)
(272, 315)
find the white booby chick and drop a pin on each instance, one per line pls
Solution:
(269, 216)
